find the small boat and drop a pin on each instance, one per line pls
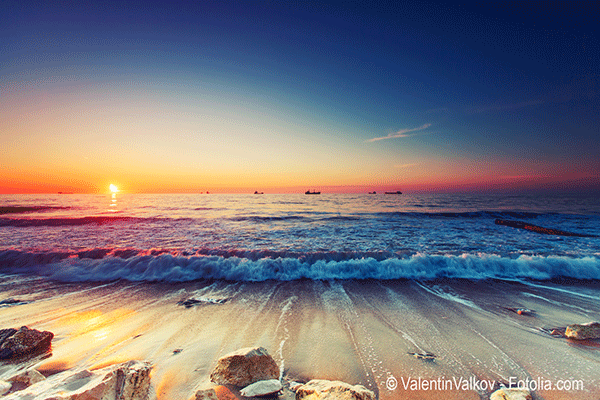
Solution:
(309, 192)
(396, 192)
(257, 192)
(372, 192)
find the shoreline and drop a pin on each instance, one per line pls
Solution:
(360, 332)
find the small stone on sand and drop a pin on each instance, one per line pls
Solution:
(591, 330)
(262, 388)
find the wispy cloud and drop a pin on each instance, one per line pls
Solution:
(403, 133)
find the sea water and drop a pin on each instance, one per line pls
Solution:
(246, 237)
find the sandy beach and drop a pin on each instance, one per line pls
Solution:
(360, 332)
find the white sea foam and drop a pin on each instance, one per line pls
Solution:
(171, 268)
(438, 291)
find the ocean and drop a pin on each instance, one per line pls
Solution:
(285, 237)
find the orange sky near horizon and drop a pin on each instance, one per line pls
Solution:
(45, 181)
(83, 143)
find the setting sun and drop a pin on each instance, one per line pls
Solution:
(113, 188)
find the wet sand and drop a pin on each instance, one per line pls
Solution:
(360, 332)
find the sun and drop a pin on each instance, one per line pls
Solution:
(113, 188)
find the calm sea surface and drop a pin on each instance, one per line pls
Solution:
(294, 236)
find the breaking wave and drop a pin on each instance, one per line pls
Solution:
(166, 266)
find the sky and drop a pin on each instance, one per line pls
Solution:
(278, 96)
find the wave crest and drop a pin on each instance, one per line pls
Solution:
(167, 267)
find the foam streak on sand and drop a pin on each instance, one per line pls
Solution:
(436, 290)
(282, 324)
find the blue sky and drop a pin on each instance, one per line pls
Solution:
(423, 95)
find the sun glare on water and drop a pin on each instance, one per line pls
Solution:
(113, 188)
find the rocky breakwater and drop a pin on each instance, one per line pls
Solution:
(23, 342)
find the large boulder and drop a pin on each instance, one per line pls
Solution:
(591, 330)
(23, 342)
(511, 394)
(318, 389)
(262, 388)
(126, 381)
(244, 367)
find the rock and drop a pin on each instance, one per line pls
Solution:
(511, 394)
(244, 367)
(133, 380)
(557, 332)
(333, 390)
(12, 302)
(223, 393)
(295, 385)
(205, 394)
(6, 333)
(27, 378)
(521, 311)
(4, 387)
(424, 356)
(538, 229)
(23, 342)
(126, 381)
(262, 388)
(193, 302)
(591, 330)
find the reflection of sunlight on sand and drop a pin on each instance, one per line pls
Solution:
(101, 334)
(92, 321)
(166, 384)
(94, 334)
